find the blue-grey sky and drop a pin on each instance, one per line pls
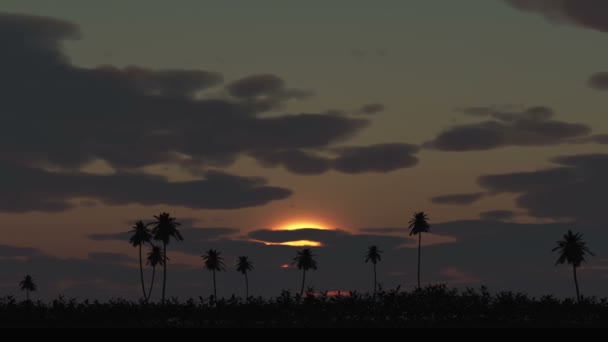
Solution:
(346, 115)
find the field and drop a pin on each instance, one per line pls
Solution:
(433, 306)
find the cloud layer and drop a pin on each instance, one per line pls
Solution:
(532, 126)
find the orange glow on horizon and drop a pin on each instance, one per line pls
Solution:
(302, 224)
(297, 243)
(284, 266)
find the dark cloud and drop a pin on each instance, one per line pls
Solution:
(372, 108)
(591, 14)
(354, 159)
(384, 230)
(375, 158)
(364, 53)
(26, 189)
(599, 81)
(574, 190)
(296, 161)
(111, 258)
(497, 215)
(458, 199)
(132, 117)
(8, 251)
(601, 139)
(533, 126)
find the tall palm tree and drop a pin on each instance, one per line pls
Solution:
(243, 265)
(373, 256)
(419, 224)
(140, 235)
(164, 229)
(27, 285)
(305, 261)
(155, 257)
(213, 262)
(572, 250)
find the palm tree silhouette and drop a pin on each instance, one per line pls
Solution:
(140, 234)
(305, 261)
(373, 256)
(164, 229)
(572, 250)
(213, 262)
(243, 265)
(419, 224)
(155, 257)
(27, 285)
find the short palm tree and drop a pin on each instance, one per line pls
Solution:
(213, 262)
(140, 235)
(243, 265)
(165, 228)
(305, 261)
(572, 250)
(27, 285)
(373, 256)
(155, 257)
(419, 224)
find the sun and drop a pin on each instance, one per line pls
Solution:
(302, 224)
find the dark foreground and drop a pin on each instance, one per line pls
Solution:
(434, 306)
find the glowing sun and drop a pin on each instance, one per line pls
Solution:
(302, 224)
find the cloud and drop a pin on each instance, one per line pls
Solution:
(573, 190)
(295, 161)
(601, 139)
(458, 199)
(371, 108)
(134, 117)
(27, 189)
(497, 215)
(111, 258)
(375, 158)
(590, 14)
(599, 81)
(8, 251)
(532, 126)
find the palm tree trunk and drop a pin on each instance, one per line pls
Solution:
(419, 245)
(214, 287)
(151, 284)
(375, 281)
(141, 275)
(303, 281)
(578, 295)
(164, 272)
(246, 287)
(27, 293)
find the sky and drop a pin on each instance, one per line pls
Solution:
(243, 119)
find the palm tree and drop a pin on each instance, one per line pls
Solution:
(213, 262)
(155, 257)
(140, 235)
(243, 265)
(373, 255)
(305, 261)
(419, 224)
(27, 285)
(572, 250)
(164, 229)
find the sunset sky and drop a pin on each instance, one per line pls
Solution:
(247, 120)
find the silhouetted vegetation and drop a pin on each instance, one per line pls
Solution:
(419, 224)
(243, 265)
(213, 262)
(140, 236)
(164, 229)
(432, 306)
(572, 250)
(305, 261)
(373, 256)
(27, 285)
